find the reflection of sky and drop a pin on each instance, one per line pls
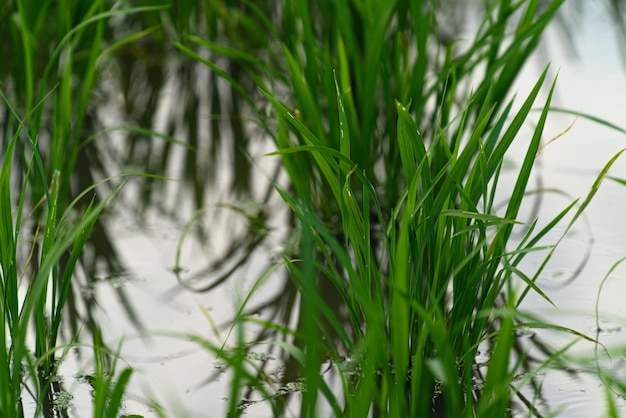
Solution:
(595, 83)
(572, 162)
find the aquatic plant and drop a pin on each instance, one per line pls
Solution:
(47, 216)
(35, 284)
(394, 140)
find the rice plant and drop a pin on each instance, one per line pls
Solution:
(36, 275)
(394, 157)
(46, 219)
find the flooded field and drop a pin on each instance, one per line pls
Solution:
(206, 241)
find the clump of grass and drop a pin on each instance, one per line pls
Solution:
(49, 207)
(46, 220)
(45, 207)
(34, 288)
(394, 142)
(417, 321)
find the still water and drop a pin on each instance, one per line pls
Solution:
(593, 82)
(188, 381)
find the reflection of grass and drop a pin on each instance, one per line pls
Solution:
(393, 140)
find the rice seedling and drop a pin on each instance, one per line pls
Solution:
(46, 222)
(394, 172)
(34, 288)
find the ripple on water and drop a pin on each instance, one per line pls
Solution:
(570, 394)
